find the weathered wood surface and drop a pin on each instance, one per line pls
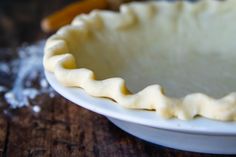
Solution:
(62, 128)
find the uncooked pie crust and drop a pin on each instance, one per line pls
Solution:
(135, 36)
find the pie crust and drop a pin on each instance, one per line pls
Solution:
(131, 39)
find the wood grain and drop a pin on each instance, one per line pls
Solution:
(64, 129)
(3, 134)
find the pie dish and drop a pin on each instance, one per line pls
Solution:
(197, 135)
(185, 49)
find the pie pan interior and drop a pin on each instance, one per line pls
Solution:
(191, 56)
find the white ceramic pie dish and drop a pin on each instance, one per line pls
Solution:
(172, 59)
(197, 135)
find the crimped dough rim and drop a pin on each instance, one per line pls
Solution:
(61, 62)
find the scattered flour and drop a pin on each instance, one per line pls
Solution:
(30, 81)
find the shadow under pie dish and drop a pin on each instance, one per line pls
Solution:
(175, 58)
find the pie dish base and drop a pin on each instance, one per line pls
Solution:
(202, 143)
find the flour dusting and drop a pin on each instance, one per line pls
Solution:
(29, 80)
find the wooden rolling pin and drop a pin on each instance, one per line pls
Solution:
(66, 15)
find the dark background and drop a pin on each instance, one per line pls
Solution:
(20, 20)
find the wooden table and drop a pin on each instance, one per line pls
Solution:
(62, 128)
